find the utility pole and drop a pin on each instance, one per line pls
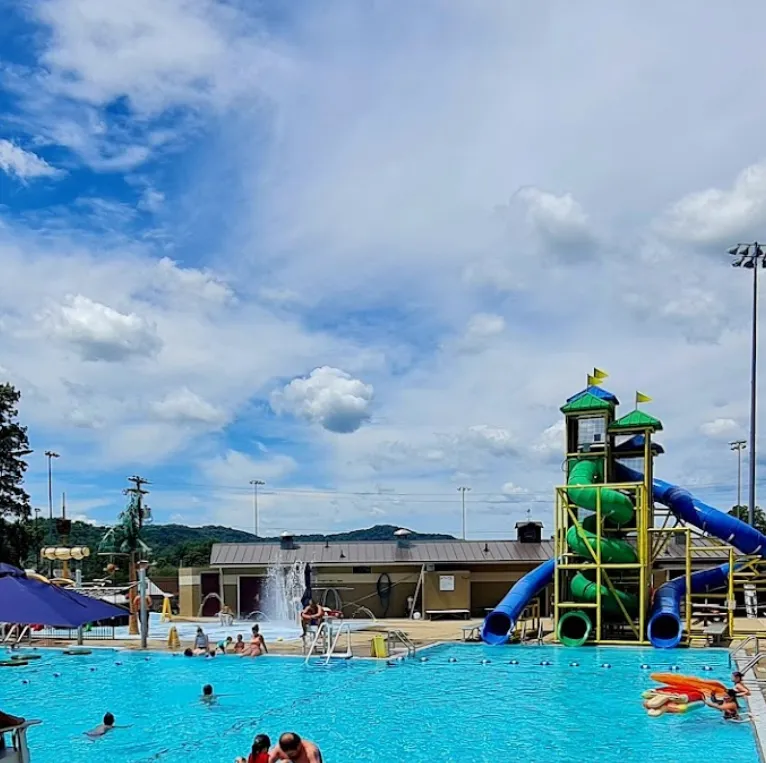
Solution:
(738, 446)
(750, 256)
(462, 491)
(255, 484)
(137, 494)
(50, 455)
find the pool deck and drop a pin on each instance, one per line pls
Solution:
(423, 633)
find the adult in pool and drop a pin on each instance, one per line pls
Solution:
(104, 728)
(292, 747)
(727, 705)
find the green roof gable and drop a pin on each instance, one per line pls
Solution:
(636, 420)
(587, 402)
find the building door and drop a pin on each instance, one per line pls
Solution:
(250, 595)
(210, 594)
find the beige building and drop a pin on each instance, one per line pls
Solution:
(445, 577)
(440, 578)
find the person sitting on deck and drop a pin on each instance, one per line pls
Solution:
(201, 642)
(257, 645)
(728, 705)
(739, 686)
(292, 747)
(312, 616)
(239, 644)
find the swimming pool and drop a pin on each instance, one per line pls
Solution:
(366, 712)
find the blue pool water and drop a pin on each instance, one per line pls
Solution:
(365, 712)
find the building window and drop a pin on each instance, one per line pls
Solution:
(361, 570)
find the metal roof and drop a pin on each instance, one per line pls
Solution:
(369, 553)
(374, 553)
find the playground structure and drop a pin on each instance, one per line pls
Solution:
(613, 523)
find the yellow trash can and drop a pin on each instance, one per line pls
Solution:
(378, 647)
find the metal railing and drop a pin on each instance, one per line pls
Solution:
(404, 639)
(752, 663)
(324, 634)
(19, 751)
(742, 646)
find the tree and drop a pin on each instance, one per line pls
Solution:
(741, 512)
(17, 533)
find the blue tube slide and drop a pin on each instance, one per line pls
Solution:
(664, 629)
(501, 621)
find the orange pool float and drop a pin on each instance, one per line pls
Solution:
(689, 684)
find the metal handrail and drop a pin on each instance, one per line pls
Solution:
(753, 662)
(737, 649)
(409, 645)
(344, 628)
(320, 630)
(19, 739)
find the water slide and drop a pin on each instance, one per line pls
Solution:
(575, 626)
(664, 629)
(616, 509)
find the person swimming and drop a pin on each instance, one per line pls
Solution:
(208, 697)
(292, 747)
(104, 728)
(188, 652)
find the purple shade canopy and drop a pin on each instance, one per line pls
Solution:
(28, 601)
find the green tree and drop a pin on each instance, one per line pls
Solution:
(740, 512)
(18, 535)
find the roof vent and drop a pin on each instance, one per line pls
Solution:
(402, 536)
(530, 531)
(286, 541)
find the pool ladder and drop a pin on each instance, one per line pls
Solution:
(537, 639)
(404, 639)
(324, 635)
(742, 646)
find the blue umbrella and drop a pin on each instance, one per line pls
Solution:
(28, 601)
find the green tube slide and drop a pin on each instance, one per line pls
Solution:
(616, 509)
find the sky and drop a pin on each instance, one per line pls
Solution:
(363, 251)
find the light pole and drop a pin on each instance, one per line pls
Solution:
(255, 484)
(50, 455)
(462, 491)
(749, 256)
(738, 446)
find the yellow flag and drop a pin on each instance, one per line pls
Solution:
(642, 398)
(593, 381)
(599, 374)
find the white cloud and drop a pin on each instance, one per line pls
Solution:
(25, 165)
(512, 490)
(559, 220)
(720, 216)
(721, 428)
(329, 397)
(495, 440)
(151, 200)
(550, 443)
(185, 406)
(100, 332)
(234, 468)
(482, 328)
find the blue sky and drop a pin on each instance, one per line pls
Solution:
(364, 251)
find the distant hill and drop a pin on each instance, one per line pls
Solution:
(176, 546)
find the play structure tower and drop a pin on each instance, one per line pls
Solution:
(603, 526)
